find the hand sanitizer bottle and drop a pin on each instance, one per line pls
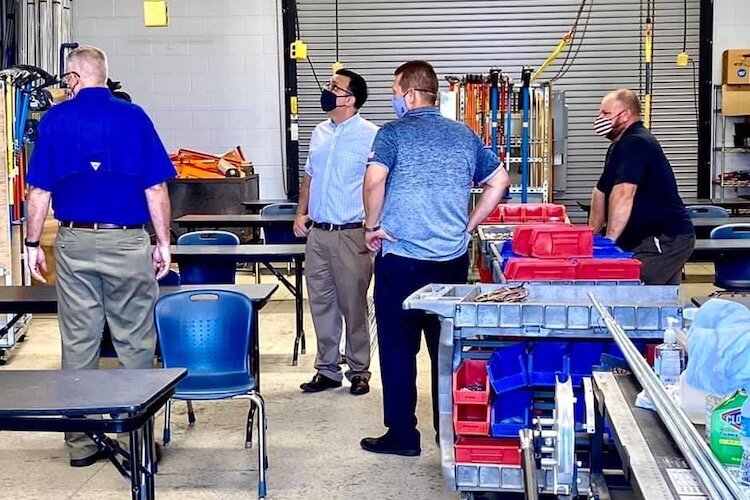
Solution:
(670, 356)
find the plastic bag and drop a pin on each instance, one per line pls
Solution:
(719, 347)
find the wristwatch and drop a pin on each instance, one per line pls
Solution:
(372, 229)
(31, 244)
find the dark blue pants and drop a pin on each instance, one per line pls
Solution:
(400, 333)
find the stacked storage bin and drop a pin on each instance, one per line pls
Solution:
(551, 252)
(508, 215)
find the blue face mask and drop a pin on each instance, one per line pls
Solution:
(398, 102)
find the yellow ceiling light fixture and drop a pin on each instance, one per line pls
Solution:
(155, 14)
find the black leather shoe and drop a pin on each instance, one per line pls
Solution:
(320, 383)
(90, 460)
(360, 386)
(388, 446)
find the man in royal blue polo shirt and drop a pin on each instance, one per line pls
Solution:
(416, 196)
(100, 162)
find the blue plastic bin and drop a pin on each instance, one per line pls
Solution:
(507, 368)
(546, 359)
(511, 412)
(604, 248)
(583, 357)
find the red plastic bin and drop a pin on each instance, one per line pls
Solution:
(471, 373)
(488, 451)
(471, 420)
(496, 216)
(540, 270)
(608, 269)
(554, 241)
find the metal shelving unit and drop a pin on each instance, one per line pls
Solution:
(723, 152)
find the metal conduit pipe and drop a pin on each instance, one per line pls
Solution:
(528, 464)
(712, 475)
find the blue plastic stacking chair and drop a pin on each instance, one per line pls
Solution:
(280, 234)
(704, 211)
(214, 271)
(210, 332)
(732, 271)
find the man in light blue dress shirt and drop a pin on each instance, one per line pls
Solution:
(338, 265)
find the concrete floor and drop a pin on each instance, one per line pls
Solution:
(313, 439)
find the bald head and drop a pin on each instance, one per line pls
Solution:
(627, 99)
(88, 66)
(623, 108)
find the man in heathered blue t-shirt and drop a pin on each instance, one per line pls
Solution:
(416, 193)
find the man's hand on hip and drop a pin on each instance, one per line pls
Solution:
(300, 226)
(36, 261)
(374, 239)
(161, 258)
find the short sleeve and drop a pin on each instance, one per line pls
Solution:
(158, 166)
(632, 162)
(384, 149)
(605, 180)
(311, 147)
(41, 173)
(488, 163)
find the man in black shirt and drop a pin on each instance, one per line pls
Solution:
(636, 197)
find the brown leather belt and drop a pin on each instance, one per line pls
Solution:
(97, 225)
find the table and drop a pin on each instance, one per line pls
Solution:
(651, 460)
(57, 400)
(704, 225)
(733, 205)
(192, 222)
(707, 250)
(20, 300)
(744, 300)
(255, 206)
(264, 254)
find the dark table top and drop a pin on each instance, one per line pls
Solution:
(43, 299)
(706, 250)
(258, 204)
(718, 221)
(730, 203)
(241, 253)
(81, 392)
(233, 220)
(699, 301)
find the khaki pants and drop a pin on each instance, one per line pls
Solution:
(338, 269)
(104, 273)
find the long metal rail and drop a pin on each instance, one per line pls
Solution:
(717, 482)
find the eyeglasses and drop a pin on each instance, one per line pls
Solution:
(333, 88)
(66, 77)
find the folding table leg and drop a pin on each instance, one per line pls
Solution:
(136, 479)
(149, 458)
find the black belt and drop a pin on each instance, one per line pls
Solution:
(97, 225)
(337, 227)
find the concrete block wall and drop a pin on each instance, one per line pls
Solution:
(731, 30)
(210, 81)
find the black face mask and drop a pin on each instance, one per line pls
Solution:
(328, 100)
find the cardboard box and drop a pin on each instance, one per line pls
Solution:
(735, 100)
(735, 64)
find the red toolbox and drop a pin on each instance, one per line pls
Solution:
(476, 450)
(540, 270)
(471, 420)
(470, 382)
(608, 269)
(554, 241)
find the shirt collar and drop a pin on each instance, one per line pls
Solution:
(424, 111)
(345, 124)
(94, 93)
(632, 128)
